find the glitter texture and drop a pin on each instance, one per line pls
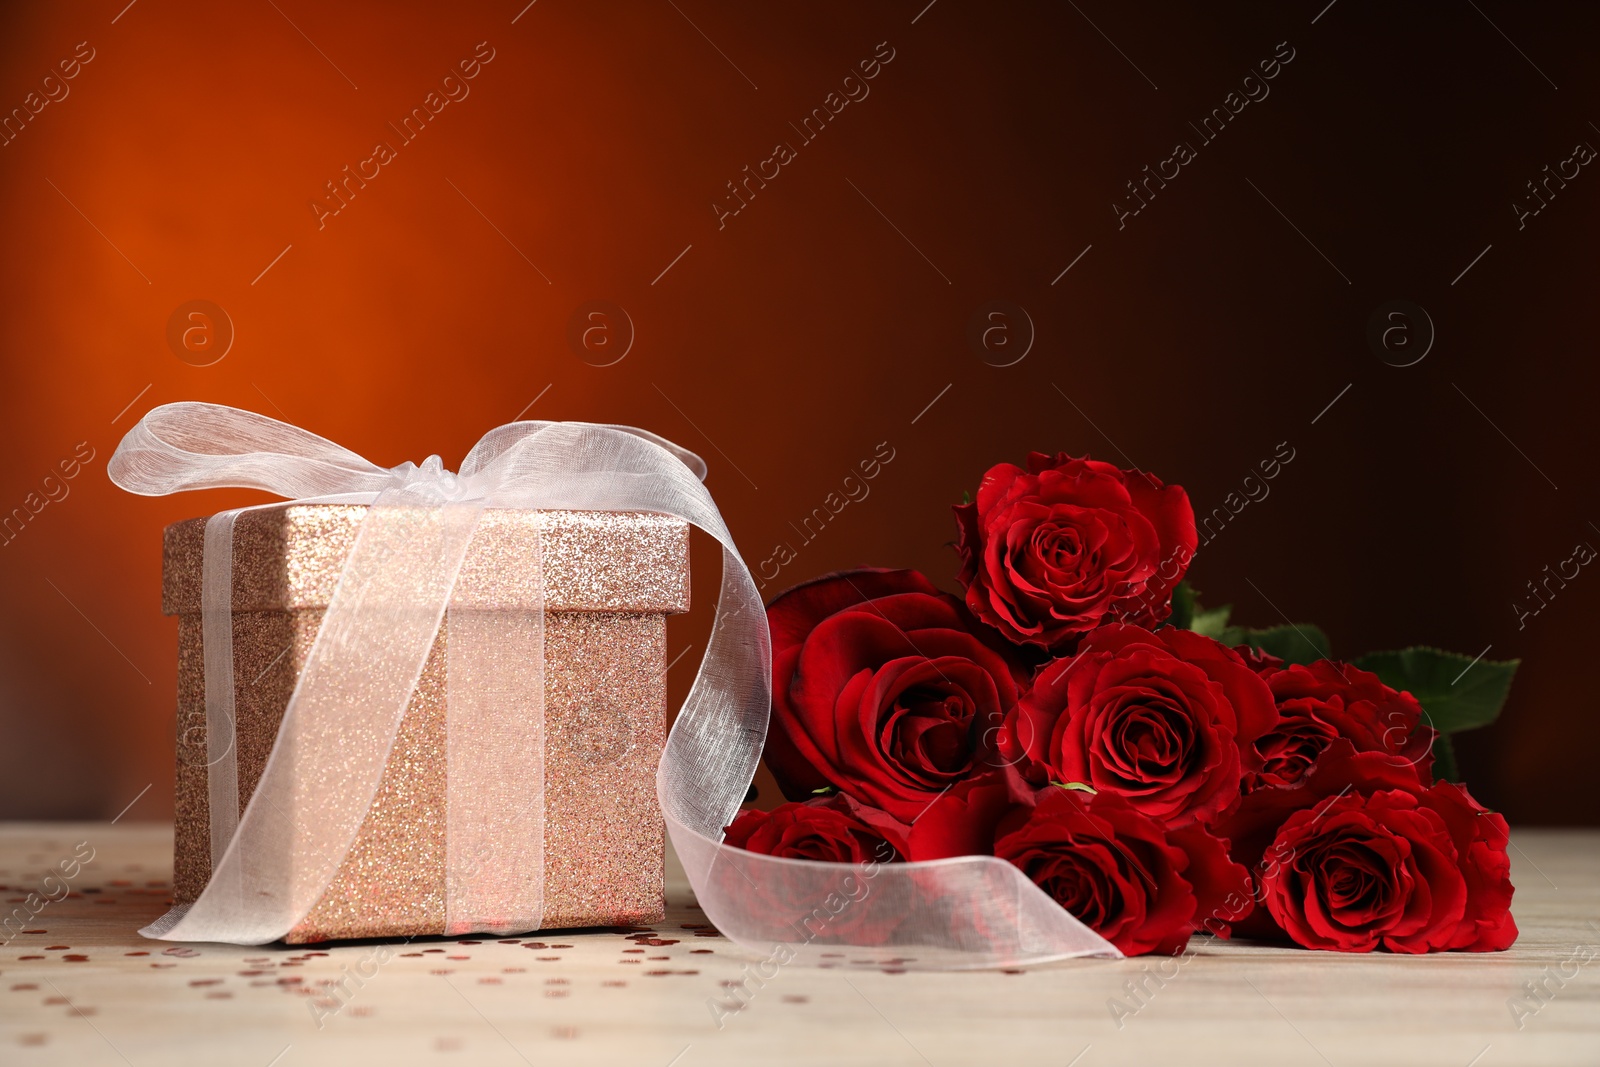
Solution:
(600, 767)
(611, 578)
(289, 558)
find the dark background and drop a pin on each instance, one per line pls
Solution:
(826, 317)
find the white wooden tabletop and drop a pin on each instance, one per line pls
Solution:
(82, 987)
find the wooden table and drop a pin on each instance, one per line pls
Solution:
(85, 988)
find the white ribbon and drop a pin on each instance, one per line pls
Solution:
(216, 623)
(374, 639)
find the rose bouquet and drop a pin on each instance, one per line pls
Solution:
(1152, 768)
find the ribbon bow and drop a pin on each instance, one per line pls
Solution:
(370, 648)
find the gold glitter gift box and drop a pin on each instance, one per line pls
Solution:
(610, 579)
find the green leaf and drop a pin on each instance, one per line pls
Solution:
(1444, 759)
(1184, 606)
(1293, 643)
(1210, 621)
(1456, 692)
(1187, 614)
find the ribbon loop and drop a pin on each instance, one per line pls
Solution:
(191, 445)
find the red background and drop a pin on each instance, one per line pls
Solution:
(827, 315)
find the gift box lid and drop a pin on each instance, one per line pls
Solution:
(289, 558)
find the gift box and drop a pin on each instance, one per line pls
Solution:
(605, 582)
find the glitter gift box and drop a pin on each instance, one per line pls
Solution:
(610, 579)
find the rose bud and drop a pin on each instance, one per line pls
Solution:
(1051, 552)
(883, 688)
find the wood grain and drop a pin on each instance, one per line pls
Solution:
(87, 989)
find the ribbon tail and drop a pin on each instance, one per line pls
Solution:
(969, 913)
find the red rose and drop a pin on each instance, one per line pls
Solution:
(881, 689)
(1252, 826)
(1050, 553)
(1165, 718)
(1324, 700)
(785, 902)
(1409, 872)
(832, 829)
(1141, 886)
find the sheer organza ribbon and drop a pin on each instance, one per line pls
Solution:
(371, 647)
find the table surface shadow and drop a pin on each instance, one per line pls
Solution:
(82, 986)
